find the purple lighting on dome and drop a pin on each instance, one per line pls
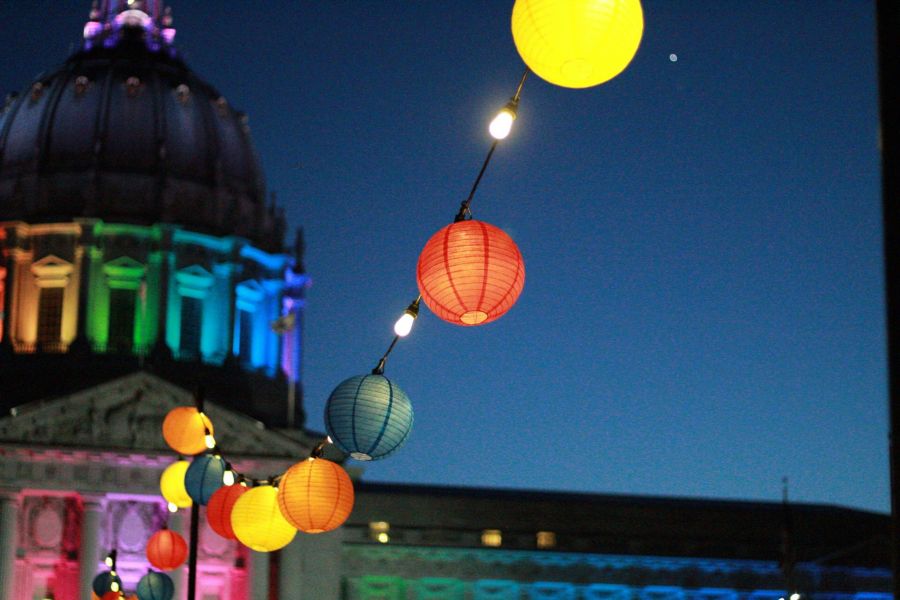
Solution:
(168, 35)
(91, 29)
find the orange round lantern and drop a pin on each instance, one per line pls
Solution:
(185, 429)
(315, 495)
(112, 596)
(470, 273)
(166, 550)
(218, 510)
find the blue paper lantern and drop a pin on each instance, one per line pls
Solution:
(103, 582)
(368, 417)
(203, 477)
(155, 586)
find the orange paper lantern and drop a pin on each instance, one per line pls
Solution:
(112, 596)
(166, 550)
(185, 429)
(315, 495)
(218, 510)
(470, 273)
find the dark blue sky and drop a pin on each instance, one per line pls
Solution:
(703, 310)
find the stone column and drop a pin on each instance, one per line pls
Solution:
(9, 514)
(89, 557)
(311, 567)
(178, 523)
(259, 575)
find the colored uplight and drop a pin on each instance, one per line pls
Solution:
(502, 123)
(577, 43)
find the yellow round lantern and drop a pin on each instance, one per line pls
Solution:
(577, 43)
(171, 484)
(185, 430)
(257, 521)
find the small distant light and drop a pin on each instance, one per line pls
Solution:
(492, 538)
(546, 539)
(795, 596)
(378, 530)
(673, 57)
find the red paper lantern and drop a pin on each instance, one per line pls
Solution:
(185, 429)
(166, 550)
(218, 510)
(112, 596)
(470, 273)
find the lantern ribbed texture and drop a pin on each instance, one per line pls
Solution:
(577, 43)
(218, 511)
(166, 550)
(257, 520)
(155, 586)
(112, 596)
(204, 477)
(316, 495)
(171, 484)
(102, 581)
(368, 417)
(184, 430)
(470, 273)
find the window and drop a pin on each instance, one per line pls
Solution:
(546, 539)
(191, 314)
(121, 319)
(50, 305)
(378, 531)
(492, 538)
(245, 334)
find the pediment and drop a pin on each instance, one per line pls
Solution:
(127, 414)
(51, 261)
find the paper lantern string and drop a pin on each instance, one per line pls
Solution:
(410, 315)
(465, 211)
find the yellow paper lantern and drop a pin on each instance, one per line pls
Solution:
(171, 484)
(257, 521)
(185, 430)
(577, 43)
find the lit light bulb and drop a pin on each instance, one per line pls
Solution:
(502, 123)
(172, 507)
(795, 596)
(109, 561)
(210, 440)
(228, 477)
(383, 538)
(404, 324)
(114, 586)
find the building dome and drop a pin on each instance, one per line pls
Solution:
(125, 131)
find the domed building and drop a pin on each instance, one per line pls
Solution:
(142, 268)
(135, 228)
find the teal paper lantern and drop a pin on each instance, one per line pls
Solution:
(368, 417)
(155, 586)
(103, 583)
(204, 477)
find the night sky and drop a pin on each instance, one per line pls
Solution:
(703, 309)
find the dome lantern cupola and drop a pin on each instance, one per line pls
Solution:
(112, 20)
